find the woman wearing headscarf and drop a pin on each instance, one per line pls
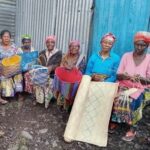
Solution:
(26, 50)
(51, 58)
(11, 85)
(68, 76)
(134, 78)
(26, 44)
(103, 65)
(90, 115)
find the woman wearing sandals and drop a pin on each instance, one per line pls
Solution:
(8, 49)
(133, 78)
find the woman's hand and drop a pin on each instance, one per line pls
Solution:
(96, 77)
(49, 69)
(135, 78)
(123, 76)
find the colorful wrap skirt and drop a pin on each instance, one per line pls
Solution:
(10, 86)
(127, 109)
(65, 86)
(28, 83)
(43, 94)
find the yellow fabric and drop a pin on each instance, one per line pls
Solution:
(11, 60)
(90, 115)
(8, 85)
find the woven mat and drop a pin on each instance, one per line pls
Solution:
(90, 115)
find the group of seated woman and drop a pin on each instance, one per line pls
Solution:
(65, 72)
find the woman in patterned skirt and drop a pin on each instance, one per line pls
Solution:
(68, 76)
(134, 79)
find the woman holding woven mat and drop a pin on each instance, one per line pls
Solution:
(90, 115)
(50, 58)
(134, 78)
(68, 76)
(11, 85)
(103, 65)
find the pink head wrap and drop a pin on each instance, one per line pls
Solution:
(142, 36)
(51, 38)
(74, 43)
(109, 36)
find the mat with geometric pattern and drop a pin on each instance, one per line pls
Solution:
(90, 115)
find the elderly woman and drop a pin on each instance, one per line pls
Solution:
(50, 58)
(94, 99)
(134, 77)
(103, 65)
(9, 86)
(69, 75)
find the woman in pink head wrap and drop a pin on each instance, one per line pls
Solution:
(134, 81)
(69, 75)
(72, 57)
(103, 65)
(50, 58)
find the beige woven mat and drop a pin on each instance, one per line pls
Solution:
(90, 115)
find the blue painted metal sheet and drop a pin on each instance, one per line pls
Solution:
(121, 17)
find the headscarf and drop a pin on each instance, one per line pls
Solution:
(51, 38)
(109, 36)
(73, 43)
(67, 58)
(26, 36)
(142, 36)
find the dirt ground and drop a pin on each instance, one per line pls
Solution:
(29, 127)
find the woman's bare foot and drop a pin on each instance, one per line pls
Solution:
(20, 97)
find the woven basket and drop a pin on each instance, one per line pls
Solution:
(11, 66)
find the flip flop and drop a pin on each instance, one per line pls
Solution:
(130, 135)
(3, 101)
(112, 128)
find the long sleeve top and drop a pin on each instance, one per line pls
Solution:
(108, 66)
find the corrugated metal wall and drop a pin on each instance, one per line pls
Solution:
(7, 15)
(122, 17)
(37, 18)
(67, 19)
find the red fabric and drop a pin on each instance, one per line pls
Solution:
(70, 76)
(28, 83)
(144, 36)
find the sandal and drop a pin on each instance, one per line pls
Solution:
(2, 101)
(130, 135)
(112, 127)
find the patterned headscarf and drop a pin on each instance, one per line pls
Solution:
(109, 36)
(142, 36)
(51, 38)
(73, 43)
